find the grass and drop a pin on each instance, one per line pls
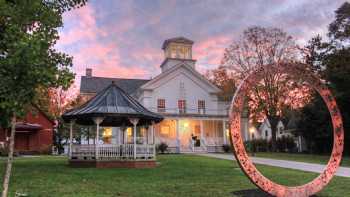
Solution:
(309, 158)
(177, 175)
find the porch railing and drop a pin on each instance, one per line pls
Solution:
(214, 141)
(113, 152)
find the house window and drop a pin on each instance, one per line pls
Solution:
(201, 106)
(173, 51)
(182, 106)
(161, 105)
(266, 133)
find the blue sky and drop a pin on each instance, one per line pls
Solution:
(124, 38)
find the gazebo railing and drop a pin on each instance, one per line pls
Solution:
(113, 152)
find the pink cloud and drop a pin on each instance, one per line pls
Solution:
(82, 23)
(210, 51)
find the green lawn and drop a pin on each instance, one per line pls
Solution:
(322, 159)
(177, 175)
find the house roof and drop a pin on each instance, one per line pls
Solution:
(115, 106)
(292, 123)
(176, 40)
(97, 84)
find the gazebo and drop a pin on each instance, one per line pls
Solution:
(112, 107)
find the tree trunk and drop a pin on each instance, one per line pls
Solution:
(273, 123)
(9, 158)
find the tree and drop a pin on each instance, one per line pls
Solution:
(331, 60)
(55, 101)
(223, 80)
(28, 60)
(315, 126)
(259, 46)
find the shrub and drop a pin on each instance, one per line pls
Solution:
(45, 149)
(226, 148)
(285, 144)
(258, 145)
(162, 147)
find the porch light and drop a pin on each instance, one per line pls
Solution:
(186, 124)
(251, 129)
(227, 133)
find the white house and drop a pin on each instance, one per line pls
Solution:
(264, 131)
(196, 119)
(284, 129)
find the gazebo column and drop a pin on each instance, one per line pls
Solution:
(123, 131)
(71, 138)
(134, 121)
(97, 121)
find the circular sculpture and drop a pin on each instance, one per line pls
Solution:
(297, 72)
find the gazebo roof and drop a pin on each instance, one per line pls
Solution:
(115, 106)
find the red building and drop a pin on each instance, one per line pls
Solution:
(34, 134)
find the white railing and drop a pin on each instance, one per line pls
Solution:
(113, 152)
(214, 141)
(214, 144)
(204, 144)
(139, 140)
(188, 110)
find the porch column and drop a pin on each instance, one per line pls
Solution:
(134, 121)
(152, 133)
(119, 136)
(153, 139)
(70, 138)
(201, 129)
(177, 136)
(97, 121)
(224, 131)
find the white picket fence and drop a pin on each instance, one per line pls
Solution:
(113, 152)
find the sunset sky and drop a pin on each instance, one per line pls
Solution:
(124, 38)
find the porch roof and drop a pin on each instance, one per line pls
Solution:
(115, 106)
(22, 126)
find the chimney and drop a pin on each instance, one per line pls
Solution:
(88, 72)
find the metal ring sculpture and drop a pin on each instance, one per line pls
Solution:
(297, 72)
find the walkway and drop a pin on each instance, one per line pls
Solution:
(308, 167)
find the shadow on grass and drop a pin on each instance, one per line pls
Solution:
(251, 193)
(254, 193)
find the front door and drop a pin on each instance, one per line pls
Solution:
(185, 132)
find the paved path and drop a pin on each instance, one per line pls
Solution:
(308, 167)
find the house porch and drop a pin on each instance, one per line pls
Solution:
(192, 134)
